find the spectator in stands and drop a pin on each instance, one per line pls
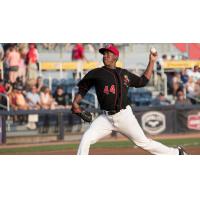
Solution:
(61, 98)
(19, 82)
(32, 60)
(7, 46)
(22, 65)
(190, 87)
(160, 100)
(12, 101)
(78, 56)
(13, 60)
(197, 89)
(46, 99)
(47, 102)
(172, 57)
(193, 90)
(39, 84)
(21, 103)
(20, 99)
(194, 73)
(176, 83)
(12, 98)
(33, 100)
(5, 66)
(181, 100)
(184, 76)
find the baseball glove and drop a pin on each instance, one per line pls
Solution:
(86, 116)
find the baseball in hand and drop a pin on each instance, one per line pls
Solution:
(153, 51)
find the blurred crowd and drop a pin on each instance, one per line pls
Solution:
(23, 87)
(183, 84)
(19, 61)
(188, 82)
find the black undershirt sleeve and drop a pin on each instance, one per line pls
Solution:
(136, 81)
(86, 83)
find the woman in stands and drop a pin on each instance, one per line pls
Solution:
(47, 102)
(13, 61)
(46, 99)
(39, 84)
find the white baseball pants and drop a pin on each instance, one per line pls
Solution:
(126, 123)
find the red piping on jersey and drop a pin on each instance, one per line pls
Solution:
(121, 89)
(115, 84)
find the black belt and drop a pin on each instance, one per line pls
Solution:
(110, 112)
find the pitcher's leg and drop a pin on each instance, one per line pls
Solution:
(99, 128)
(131, 128)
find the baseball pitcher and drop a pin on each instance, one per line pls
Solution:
(111, 84)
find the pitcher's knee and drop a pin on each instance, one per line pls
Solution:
(144, 144)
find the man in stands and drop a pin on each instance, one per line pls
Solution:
(33, 99)
(181, 100)
(78, 56)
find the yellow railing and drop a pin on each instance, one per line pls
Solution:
(181, 64)
(70, 65)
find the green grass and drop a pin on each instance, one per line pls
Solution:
(116, 144)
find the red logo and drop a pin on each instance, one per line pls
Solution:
(194, 122)
(107, 91)
(112, 89)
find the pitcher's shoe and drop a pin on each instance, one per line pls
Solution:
(182, 151)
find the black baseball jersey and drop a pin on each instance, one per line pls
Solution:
(111, 86)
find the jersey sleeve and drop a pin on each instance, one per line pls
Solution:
(86, 83)
(137, 81)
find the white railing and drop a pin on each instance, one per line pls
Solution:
(95, 96)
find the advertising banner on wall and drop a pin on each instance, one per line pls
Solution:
(188, 120)
(155, 122)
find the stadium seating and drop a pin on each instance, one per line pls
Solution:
(140, 97)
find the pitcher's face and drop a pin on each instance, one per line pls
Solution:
(109, 58)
